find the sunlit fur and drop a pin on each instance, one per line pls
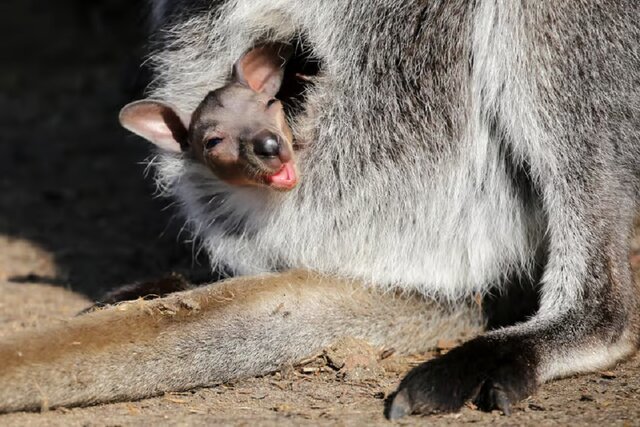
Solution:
(449, 146)
(408, 201)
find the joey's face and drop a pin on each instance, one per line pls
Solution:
(238, 131)
(243, 137)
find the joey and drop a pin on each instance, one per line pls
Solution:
(239, 131)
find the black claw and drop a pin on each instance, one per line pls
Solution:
(501, 400)
(400, 406)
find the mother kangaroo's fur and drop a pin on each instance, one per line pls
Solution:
(451, 146)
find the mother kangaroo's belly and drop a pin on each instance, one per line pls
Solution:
(455, 238)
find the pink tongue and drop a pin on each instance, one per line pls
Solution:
(285, 177)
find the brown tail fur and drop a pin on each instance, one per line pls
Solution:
(240, 327)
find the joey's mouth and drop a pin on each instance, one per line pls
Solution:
(285, 179)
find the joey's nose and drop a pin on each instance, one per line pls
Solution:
(266, 145)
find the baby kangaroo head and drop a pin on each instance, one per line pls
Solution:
(238, 131)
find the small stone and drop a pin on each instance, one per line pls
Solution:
(608, 375)
(282, 408)
(379, 395)
(535, 407)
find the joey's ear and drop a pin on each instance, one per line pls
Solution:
(262, 68)
(157, 122)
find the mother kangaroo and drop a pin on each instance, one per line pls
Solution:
(449, 148)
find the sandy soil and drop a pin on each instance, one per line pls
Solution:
(76, 218)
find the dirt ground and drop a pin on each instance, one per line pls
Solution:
(77, 217)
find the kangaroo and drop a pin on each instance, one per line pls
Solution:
(455, 148)
(239, 131)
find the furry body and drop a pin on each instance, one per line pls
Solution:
(211, 335)
(452, 146)
(451, 222)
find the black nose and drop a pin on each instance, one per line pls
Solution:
(266, 146)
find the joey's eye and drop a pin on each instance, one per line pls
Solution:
(271, 102)
(211, 143)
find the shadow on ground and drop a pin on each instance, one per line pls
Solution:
(71, 181)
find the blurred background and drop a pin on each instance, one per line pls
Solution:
(75, 208)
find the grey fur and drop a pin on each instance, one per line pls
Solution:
(451, 142)
(450, 241)
(451, 145)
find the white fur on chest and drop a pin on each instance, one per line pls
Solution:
(454, 237)
(446, 227)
